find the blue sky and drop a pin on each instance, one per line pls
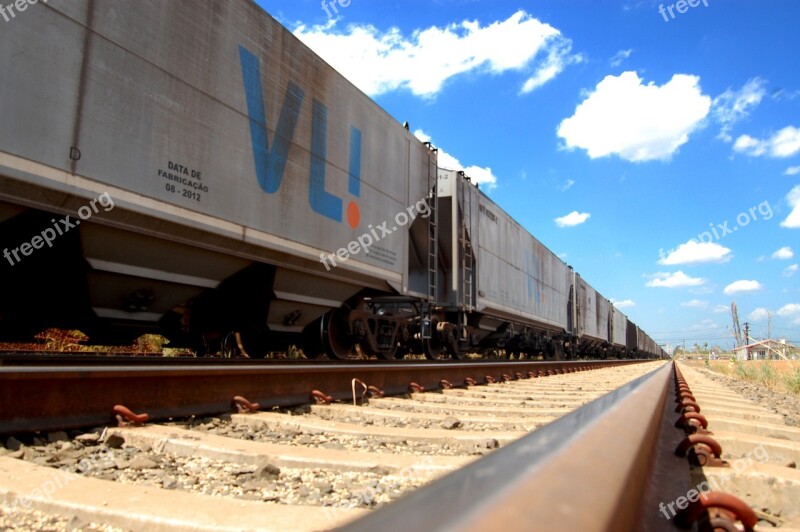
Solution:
(614, 131)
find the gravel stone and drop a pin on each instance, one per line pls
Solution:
(141, 462)
(451, 423)
(267, 472)
(57, 436)
(90, 438)
(13, 444)
(114, 441)
(324, 487)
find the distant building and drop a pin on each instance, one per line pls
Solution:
(765, 349)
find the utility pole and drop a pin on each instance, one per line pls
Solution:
(737, 331)
(747, 338)
(769, 325)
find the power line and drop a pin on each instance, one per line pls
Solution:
(682, 331)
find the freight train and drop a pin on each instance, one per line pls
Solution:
(193, 169)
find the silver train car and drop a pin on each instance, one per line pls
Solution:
(193, 169)
(502, 289)
(238, 169)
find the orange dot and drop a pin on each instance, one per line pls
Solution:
(353, 214)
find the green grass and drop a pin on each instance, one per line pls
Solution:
(793, 381)
(766, 376)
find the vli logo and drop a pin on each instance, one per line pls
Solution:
(270, 163)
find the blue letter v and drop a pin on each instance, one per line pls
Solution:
(270, 164)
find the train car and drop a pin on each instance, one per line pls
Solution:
(592, 317)
(498, 287)
(646, 346)
(632, 338)
(193, 168)
(619, 329)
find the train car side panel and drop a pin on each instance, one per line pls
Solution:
(218, 109)
(40, 69)
(620, 328)
(516, 272)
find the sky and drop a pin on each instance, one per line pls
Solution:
(654, 146)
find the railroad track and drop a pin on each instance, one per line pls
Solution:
(588, 450)
(55, 396)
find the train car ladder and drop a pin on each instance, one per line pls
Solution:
(433, 231)
(467, 264)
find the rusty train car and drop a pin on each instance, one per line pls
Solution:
(195, 170)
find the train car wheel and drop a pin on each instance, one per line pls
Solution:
(338, 344)
(455, 352)
(328, 335)
(431, 350)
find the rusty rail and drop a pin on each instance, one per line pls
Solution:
(70, 396)
(604, 467)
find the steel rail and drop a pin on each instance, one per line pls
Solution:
(604, 467)
(72, 396)
(41, 359)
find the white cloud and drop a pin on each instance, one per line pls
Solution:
(759, 314)
(732, 106)
(625, 303)
(793, 199)
(636, 121)
(792, 170)
(568, 185)
(558, 58)
(382, 61)
(674, 280)
(746, 143)
(620, 57)
(694, 303)
(789, 310)
(693, 252)
(790, 270)
(721, 309)
(792, 310)
(742, 286)
(785, 253)
(784, 143)
(572, 219)
(480, 175)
